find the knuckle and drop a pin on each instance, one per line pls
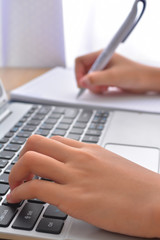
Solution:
(91, 78)
(32, 140)
(84, 155)
(28, 158)
(57, 138)
(78, 60)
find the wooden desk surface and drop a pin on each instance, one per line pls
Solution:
(15, 77)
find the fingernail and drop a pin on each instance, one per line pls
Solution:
(85, 82)
(9, 197)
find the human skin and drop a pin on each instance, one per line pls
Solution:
(90, 183)
(120, 72)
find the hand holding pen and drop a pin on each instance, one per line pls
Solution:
(127, 75)
(122, 34)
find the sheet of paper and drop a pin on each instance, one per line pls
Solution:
(59, 86)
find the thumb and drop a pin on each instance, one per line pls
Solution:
(100, 78)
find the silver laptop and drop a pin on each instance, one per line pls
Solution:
(134, 135)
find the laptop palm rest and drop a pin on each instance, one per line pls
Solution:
(144, 156)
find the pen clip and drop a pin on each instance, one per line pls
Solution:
(134, 25)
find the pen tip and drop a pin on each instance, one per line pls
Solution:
(80, 93)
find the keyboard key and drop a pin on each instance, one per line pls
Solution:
(93, 133)
(6, 215)
(3, 163)
(67, 120)
(34, 122)
(100, 127)
(74, 136)
(63, 126)
(48, 225)
(15, 160)
(12, 147)
(55, 115)
(103, 120)
(35, 200)
(24, 119)
(19, 124)
(38, 117)
(59, 110)
(71, 112)
(18, 140)
(44, 110)
(6, 155)
(28, 216)
(24, 134)
(43, 132)
(33, 109)
(14, 129)
(93, 126)
(4, 178)
(8, 169)
(4, 140)
(46, 126)
(54, 212)
(85, 116)
(29, 128)
(90, 139)
(9, 135)
(80, 125)
(96, 119)
(27, 115)
(3, 189)
(13, 205)
(76, 131)
(59, 132)
(52, 121)
(102, 113)
(1, 145)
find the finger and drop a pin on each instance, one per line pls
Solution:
(83, 64)
(47, 147)
(106, 77)
(68, 142)
(46, 191)
(98, 89)
(40, 165)
(80, 71)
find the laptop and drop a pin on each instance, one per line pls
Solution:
(134, 135)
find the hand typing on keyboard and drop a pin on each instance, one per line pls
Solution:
(88, 183)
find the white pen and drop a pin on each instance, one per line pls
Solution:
(120, 37)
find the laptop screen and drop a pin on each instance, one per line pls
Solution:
(3, 95)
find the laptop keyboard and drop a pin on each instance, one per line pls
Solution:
(79, 124)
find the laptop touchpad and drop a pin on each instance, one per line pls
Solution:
(146, 157)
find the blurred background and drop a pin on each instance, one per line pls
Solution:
(48, 33)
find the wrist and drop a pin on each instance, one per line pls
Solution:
(154, 210)
(150, 78)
